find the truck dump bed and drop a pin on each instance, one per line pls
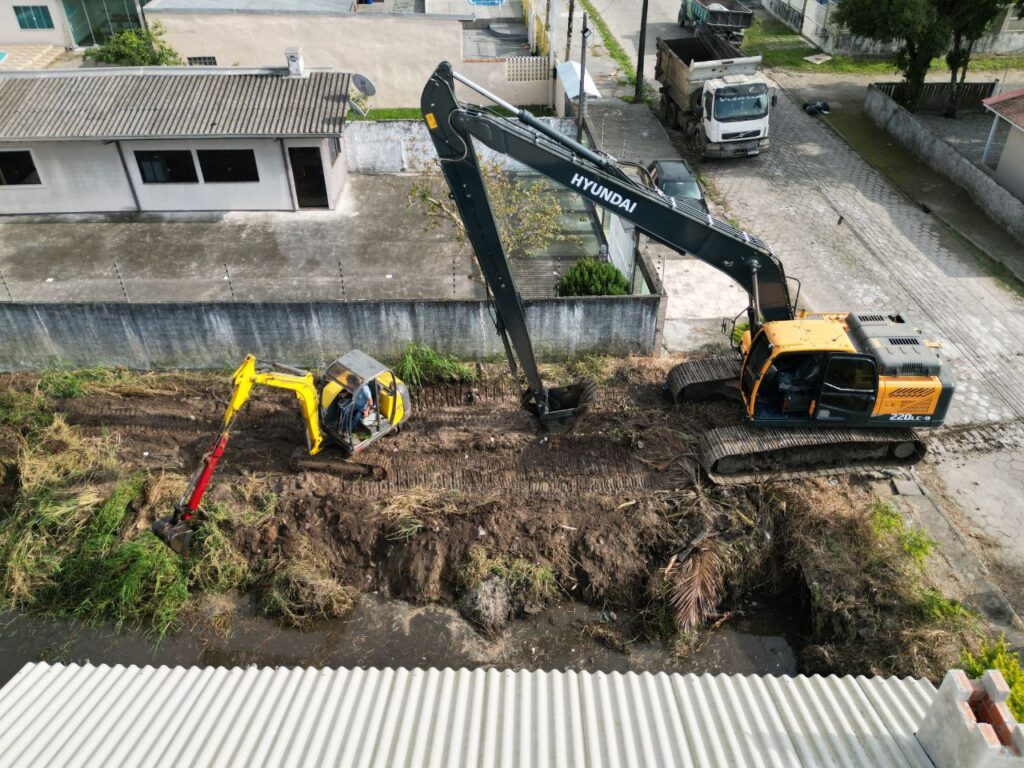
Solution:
(686, 63)
(730, 15)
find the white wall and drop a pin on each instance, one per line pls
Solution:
(270, 193)
(12, 34)
(1010, 172)
(76, 177)
(398, 54)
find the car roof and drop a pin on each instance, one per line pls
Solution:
(673, 169)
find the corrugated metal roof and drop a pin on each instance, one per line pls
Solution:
(1009, 106)
(170, 102)
(131, 716)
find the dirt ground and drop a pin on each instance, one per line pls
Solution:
(586, 503)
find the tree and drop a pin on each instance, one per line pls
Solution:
(136, 48)
(528, 215)
(917, 25)
(969, 19)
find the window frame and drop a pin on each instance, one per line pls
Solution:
(142, 173)
(249, 150)
(35, 167)
(833, 398)
(208, 61)
(35, 12)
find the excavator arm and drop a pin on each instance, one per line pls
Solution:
(177, 530)
(454, 126)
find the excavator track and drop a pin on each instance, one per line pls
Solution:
(746, 453)
(700, 379)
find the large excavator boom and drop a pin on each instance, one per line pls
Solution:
(684, 228)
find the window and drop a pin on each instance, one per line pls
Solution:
(167, 167)
(228, 165)
(202, 61)
(33, 17)
(849, 385)
(17, 168)
(334, 147)
(93, 21)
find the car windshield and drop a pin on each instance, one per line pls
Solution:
(745, 103)
(687, 189)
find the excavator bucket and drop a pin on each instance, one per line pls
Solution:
(566, 405)
(175, 532)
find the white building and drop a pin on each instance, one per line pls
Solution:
(171, 139)
(1009, 170)
(66, 23)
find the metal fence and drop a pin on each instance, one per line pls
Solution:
(935, 96)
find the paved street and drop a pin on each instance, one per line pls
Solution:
(859, 243)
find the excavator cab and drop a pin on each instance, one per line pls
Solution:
(352, 403)
(361, 400)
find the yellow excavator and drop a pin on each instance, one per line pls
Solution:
(819, 392)
(351, 404)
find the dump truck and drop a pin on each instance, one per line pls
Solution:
(715, 94)
(729, 18)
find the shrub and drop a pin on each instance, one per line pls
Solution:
(998, 656)
(590, 277)
(422, 365)
(136, 48)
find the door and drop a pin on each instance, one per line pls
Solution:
(849, 389)
(788, 387)
(308, 173)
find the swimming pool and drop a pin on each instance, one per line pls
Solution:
(3, 55)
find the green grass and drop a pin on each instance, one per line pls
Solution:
(886, 521)
(24, 411)
(781, 47)
(934, 607)
(617, 52)
(66, 384)
(421, 365)
(526, 580)
(997, 656)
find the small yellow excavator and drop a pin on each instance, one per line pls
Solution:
(351, 404)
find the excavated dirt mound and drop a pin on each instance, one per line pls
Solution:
(586, 504)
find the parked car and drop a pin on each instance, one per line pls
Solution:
(674, 178)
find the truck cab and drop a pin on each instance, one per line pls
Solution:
(734, 118)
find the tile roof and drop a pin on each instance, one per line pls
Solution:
(1009, 106)
(135, 716)
(170, 102)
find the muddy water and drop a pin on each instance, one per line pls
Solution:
(384, 632)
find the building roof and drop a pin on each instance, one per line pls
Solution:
(1009, 106)
(131, 716)
(170, 102)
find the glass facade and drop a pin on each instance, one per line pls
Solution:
(93, 21)
(33, 17)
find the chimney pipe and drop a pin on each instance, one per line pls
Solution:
(296, 67)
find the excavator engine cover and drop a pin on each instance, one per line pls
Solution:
(566, 405)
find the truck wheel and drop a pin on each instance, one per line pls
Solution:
(671, 115)
(663, 109)
(696, 143)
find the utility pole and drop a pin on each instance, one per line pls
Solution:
(585, 33)
(638, 95)
(568, 31)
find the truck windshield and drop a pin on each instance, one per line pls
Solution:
(749, 102)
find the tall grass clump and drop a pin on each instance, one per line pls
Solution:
(421, 365)
(997, 656)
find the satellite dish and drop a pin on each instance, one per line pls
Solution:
(363, 84)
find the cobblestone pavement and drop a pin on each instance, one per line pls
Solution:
(858, 243)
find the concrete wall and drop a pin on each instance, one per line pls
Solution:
(1010, 172)
(405, 146)
(219, 335)
(12, 34)
(499, 76)
(76, 177)
(998, 202)
(397, 53)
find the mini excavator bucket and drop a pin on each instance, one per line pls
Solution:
(176, 532)
(566, 405)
